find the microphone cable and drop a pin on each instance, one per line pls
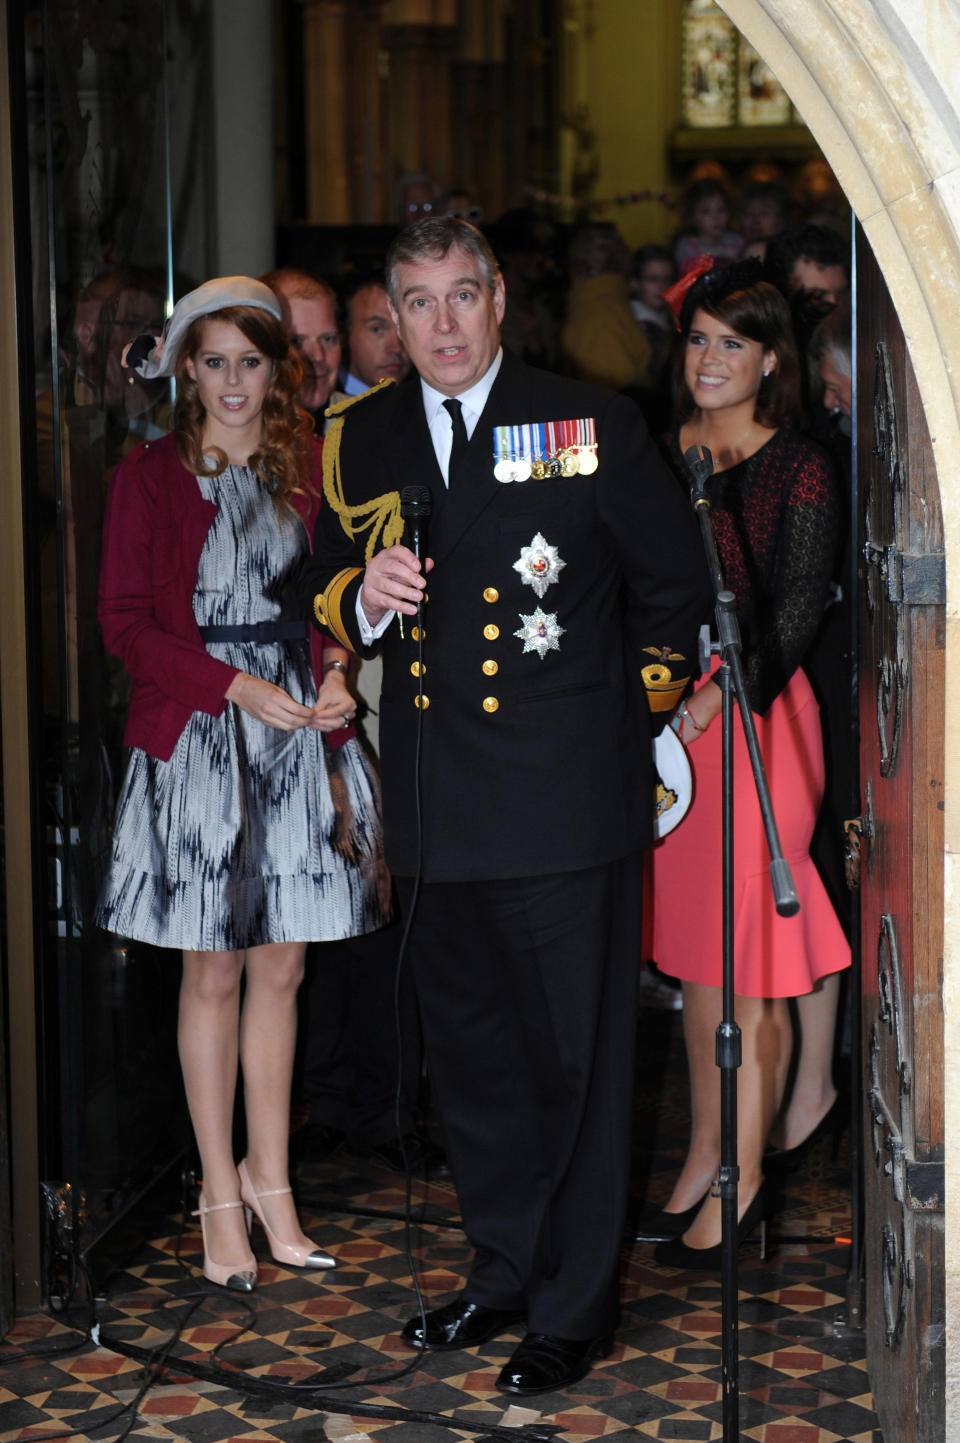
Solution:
(416, 504)
(416, 507)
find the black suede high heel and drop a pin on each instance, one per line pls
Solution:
(788, 1159)
(676, 1253)
(656, 1225)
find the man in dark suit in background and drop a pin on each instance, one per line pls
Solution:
(374, 349)
(565, 566)
(310, 316)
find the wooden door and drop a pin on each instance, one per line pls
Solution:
(902, 594)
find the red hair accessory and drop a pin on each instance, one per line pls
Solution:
(676, 294)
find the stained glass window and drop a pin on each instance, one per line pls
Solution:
(709, 55)
(725, 82)
(761, 99)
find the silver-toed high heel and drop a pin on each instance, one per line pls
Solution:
(240, 1277)
(289, 1253)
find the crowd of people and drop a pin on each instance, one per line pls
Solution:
(257, 585)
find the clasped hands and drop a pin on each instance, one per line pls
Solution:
(333, 709)
(393, 581)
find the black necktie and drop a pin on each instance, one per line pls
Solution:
(458, 450)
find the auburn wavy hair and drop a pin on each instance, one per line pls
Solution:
(760, 313)
(282, 460)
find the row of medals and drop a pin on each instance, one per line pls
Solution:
(571, 461)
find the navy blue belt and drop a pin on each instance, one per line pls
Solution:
(258, 631)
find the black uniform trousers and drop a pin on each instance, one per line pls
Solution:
(527, 992)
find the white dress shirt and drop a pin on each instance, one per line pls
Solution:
(439, 422)
(440, 426)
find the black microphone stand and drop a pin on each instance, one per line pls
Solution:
(729, 1051)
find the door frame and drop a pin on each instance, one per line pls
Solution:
(876, 91)
(19, 810)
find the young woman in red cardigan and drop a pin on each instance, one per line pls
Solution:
(248, 822)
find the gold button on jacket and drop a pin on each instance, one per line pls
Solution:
(490, 703)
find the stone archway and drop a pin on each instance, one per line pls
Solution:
(872, 79)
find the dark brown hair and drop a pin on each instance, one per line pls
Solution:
(760, 313)
(282, 460)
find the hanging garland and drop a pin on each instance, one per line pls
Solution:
(633, 197)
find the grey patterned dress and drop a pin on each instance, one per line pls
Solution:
(248, 834)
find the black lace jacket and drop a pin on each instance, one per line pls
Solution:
(777, 522)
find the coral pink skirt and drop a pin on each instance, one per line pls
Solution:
(773, 956)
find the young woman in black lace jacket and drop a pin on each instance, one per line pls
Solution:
(775, 512)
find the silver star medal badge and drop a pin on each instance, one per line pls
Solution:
(539, 565)
(540, 632)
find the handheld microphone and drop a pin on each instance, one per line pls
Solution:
(416, 507)
(700, 465)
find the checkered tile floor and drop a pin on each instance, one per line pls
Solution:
(213, 1361)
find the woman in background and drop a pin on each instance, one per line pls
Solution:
(775, 513)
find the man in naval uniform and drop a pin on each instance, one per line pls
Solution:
(563, 571)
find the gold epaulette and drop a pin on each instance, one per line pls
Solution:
(664, 690)
(345, 402)
(381, 514)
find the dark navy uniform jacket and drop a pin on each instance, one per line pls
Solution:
(531, 763)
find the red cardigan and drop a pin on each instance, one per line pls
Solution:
(154, 529)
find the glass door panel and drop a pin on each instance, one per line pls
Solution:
(99, 79)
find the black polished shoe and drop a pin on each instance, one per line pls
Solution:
(459, 1325)
(656, 1225)
(677, 1254)
(834, 1120)
(545, 1364)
